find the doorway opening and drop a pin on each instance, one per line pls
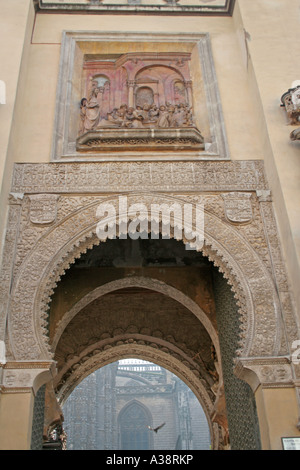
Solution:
(155, 301)
(133, 404)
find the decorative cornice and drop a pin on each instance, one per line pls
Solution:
(169, 8)
(269, 372)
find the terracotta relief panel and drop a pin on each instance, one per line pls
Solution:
(117, 98)
(138, 91)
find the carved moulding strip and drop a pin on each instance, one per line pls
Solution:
(64, 136)
(278, 268)
(25, 376)
(149, 352)
(8, 259)
(58, 248)
(62, 178)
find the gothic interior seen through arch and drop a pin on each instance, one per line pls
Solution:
(141, 397)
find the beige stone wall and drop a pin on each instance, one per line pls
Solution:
(273, 65)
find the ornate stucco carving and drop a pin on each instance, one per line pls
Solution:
(238, 208)
(107, 177)
(240, 263)
(247, 252)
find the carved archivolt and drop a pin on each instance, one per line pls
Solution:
(149, 352)
(136, 281)
(60, 244)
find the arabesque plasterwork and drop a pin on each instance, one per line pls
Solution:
(251, 262)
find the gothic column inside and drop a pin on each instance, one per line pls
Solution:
(20, 382)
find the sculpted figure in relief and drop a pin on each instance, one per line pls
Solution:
(90, 111)
(147, 117)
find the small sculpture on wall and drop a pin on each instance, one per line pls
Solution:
(90, 112)
(295, 135)
(291, 101)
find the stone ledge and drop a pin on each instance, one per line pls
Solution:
(140, 139)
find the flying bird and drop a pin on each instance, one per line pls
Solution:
(157, 428)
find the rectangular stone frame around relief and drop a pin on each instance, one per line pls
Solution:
(76, 45)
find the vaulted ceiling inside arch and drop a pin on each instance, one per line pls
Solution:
(135, 314)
